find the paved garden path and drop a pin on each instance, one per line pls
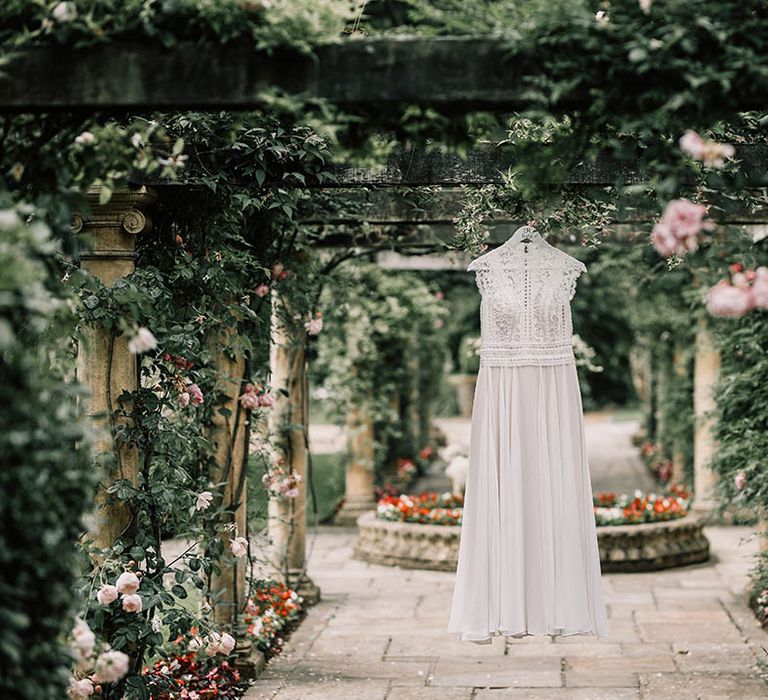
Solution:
(379, 632)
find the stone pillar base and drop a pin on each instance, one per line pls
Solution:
(300, 582)
(352, 510)
(250, 661)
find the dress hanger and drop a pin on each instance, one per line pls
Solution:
(526, 235)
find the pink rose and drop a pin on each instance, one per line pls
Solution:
(740, 481)
(685, 218)
(250, 399)
(266, 400)
(239, 547)
(262, 290)
(314, 326)
(711, 153)
(213, 642)
(728, 301)
(132, 602)
(127, 582)
(111, 666)
(195, 393)
(107, 594)
(184, 398)
(663, 240)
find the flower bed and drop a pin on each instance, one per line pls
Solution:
(425, 508)
(192, 673)
(609, 508)
(271, 612)
(613, 509)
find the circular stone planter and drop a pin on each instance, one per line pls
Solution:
(623, 548)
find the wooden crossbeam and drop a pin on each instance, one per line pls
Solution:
(486, 165)
(457, 73)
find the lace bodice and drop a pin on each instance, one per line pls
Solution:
(525, 313)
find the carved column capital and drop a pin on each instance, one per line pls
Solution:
(110, 230)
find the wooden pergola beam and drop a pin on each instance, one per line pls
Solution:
(486, 164)
(458, 73)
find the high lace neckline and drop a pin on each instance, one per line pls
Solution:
(525, 316)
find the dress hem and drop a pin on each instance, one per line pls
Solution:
(557, 632)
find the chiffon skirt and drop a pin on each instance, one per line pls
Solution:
(528, 558)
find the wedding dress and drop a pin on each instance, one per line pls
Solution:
(528, 559)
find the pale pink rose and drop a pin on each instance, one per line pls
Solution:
(80, 688)
(227, 644)
(760, 288)
(239, 547)
(739, 279)
(204, 499)
(250, 399)
(83, 639)
(195, 393)
(127, 582)
(250, 608)
(212, 643)
(685, 219)
(195, 643)
(266, 400)
(740, 481)
(711, 153)
(645, 5)
(314, 326)
(692, 144)
(111, 666)
(132, 602)
(278, 269)
(728, 301)
(107, 594)
(292, 493)
(663, 240)
(85, 139)
(142, 341)
(262, 290)
(184, 398)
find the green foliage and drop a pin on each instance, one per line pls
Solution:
(299, 23)
(742, 418)
(382, 348)
(46, 479)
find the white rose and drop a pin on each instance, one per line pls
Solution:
(85, 139)
(9, 220)
(107, 594)
(142, 341)
(127, 582)
(227, 644)
(65, 12)
(204, 499)
(239, 547)
(132, 603)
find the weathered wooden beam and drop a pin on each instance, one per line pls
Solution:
(487, 164)
(457, 73)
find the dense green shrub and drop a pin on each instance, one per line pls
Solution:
(46, 477)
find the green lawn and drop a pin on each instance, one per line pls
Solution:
(328, 481)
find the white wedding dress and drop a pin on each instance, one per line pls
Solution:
(528, 559)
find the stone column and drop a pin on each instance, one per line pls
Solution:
(104, 363)
(359, 478)
(289, 418)
(228, 434)
(706, 373)
(678, 457)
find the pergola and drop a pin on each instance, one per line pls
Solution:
(460, 74)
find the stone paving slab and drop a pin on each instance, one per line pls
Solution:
(379, 633)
